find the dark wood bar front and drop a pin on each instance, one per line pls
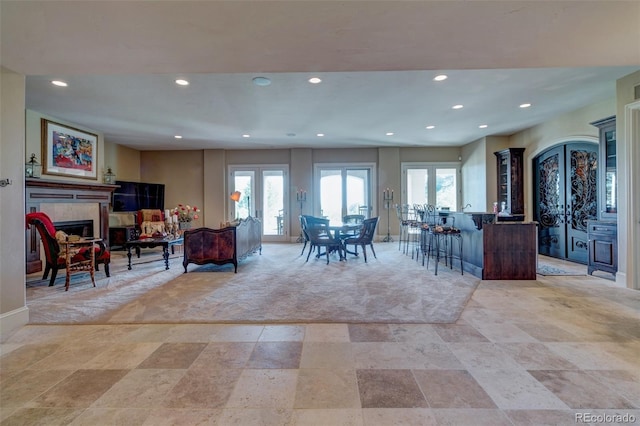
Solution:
(497, 251)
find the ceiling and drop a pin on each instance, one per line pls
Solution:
(376, 60)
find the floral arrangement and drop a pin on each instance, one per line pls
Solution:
(186, 213)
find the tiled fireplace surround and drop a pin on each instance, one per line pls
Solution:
(65, 201)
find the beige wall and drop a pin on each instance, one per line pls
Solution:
(475, 165)
(13, 310)
(182, 173)
(126, 159)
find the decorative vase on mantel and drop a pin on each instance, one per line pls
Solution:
(184, 225)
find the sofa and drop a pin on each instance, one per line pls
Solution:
(221, 246)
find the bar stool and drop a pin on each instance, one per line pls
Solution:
(442, 239)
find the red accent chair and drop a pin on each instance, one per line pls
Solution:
(54, 258)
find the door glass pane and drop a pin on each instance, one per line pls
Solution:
(273, 202)
(331, 194)
(243, 181)
(446, 188)
(417, 186)
(357, 194)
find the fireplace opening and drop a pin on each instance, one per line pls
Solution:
(83, 228)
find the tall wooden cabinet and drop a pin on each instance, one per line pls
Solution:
(603, 233)
(511, 180)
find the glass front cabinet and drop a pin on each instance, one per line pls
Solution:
(607, 170)
(603, 233)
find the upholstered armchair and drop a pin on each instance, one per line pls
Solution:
(54, 256)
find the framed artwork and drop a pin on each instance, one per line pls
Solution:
(67, 151)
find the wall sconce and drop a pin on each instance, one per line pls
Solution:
(32, 169)
(235, 196)
(109, 177)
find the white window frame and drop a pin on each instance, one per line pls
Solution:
(431, 171)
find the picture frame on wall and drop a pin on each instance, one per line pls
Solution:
(67, 151)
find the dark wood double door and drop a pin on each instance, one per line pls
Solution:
(565, 198)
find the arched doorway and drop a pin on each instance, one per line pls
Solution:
(565, 196)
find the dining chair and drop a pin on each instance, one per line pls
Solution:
(365, 238)
(320, 236)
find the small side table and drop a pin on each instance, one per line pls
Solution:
(71, 249)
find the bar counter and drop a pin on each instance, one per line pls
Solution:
(503, 250)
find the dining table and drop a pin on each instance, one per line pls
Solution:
(343, 230)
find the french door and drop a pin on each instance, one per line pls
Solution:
(565, 196)
(263, 195)
(344, 189)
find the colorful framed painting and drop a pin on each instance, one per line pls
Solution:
(67, 151)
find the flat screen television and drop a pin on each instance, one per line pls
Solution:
(134, 196)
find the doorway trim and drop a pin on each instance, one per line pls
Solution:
(629, 230)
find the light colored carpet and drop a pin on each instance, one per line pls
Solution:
(275, 287)
(549, 266)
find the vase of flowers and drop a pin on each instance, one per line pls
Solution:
(185, 214)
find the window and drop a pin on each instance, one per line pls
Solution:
(431, 183)
(344, 189)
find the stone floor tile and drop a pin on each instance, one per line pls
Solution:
(255, 417)
(327, 355)
(459, 333)
(418, 333)
(140, 388)
(238, 333)
(173, 355)
(27, 355)
(203, 333)
(624, 382)
(184, 416)
(580, 390)
(398, 416)
(370, 333)
(25, 385)
(516, 389)
(71, 357)
(122, 356)
(79, 390)
(389, 389)
(112, 416)
(470, 416)
(42, 416)
(200, 388)
(544, 332)
(264, 388)
(275, 355)
(220, 355)
(483, 356)
(327, 333)
(318, 388)
(324, 417)
(536, 356)
(590, 356)
(405, 355)
(282, 333)
(452, 389)
(541, 417)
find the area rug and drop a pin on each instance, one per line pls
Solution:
(277, 286)
(550, 267)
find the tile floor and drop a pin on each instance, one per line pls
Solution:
(545, 352)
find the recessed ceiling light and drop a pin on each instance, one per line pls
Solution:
(525, 105)
(430, 127)
(182, 82)
(178, 137)
(483, 126)
(59, 83)
(389, 133)
(315, 80)
(261, 81)
(246, 135)
(440, 77)
(458, 106)
(320, 135)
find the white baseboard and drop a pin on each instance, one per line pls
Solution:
(13, 320)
